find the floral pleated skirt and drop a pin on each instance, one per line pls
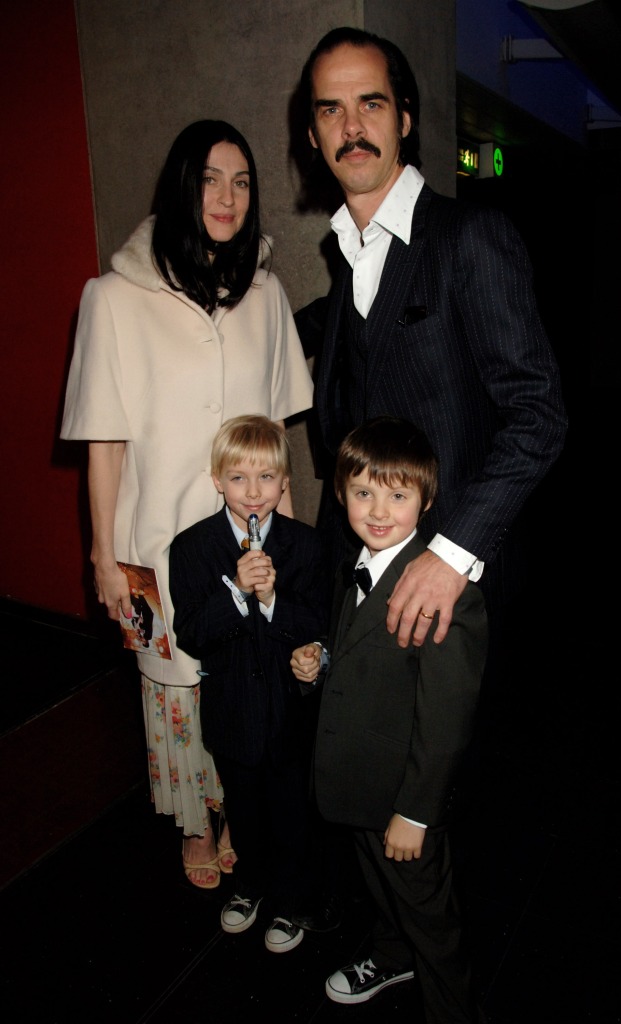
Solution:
(182, 774)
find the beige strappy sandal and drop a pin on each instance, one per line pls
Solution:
(225, 851)
(211, 865)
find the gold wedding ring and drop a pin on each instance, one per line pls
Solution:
(424, 615)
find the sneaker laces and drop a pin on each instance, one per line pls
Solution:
(367, 967)
(239, 901)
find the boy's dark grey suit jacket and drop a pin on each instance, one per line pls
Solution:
(394, 722)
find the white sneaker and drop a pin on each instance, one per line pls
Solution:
(238, 914)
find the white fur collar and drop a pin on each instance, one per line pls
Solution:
(134, 260)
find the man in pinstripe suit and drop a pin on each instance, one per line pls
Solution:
(432, 318)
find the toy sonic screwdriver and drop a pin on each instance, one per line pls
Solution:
(254, 535)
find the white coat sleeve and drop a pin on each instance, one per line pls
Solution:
(94, 408)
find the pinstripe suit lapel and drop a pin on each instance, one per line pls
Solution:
(221, 528)
(278, 542)
(395, 288)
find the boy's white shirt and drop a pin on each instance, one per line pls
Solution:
(376, 564)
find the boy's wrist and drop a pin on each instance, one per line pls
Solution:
(244, 593)
(324, 657)
(240, 595)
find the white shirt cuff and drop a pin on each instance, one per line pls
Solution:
(465, 563)
(412, 822)
(268, 612)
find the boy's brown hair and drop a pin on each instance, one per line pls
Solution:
(394, 452)
(256, 438)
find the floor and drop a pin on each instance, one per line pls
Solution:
(99, 924)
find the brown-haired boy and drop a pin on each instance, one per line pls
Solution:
(393, 725)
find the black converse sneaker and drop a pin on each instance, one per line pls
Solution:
(238, 914)
(282, 935)
(357, 983)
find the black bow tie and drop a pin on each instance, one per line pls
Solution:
(360, 576)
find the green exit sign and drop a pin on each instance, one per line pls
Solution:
(497, 159)
(480, 160)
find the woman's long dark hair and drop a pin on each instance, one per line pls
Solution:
(181, 244)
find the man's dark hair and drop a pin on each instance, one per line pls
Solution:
(181, 244)
(400, 75)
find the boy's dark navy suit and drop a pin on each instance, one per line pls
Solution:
(249, 693)
(393, 725)
(254, 718)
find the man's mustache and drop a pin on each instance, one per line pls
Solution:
(349, 147)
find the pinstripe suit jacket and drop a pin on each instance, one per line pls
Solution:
(473, 367)
(250, 700)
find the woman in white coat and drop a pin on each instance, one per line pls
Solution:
(186, 331)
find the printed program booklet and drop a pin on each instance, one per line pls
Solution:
(146, 632)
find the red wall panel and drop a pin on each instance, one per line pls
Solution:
(48, 251)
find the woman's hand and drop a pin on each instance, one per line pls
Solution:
(112, 589)
(105, 459)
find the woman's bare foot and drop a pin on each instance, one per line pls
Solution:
(202, 852)
(226, 855)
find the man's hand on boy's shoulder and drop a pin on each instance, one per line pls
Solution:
(427, 585)
(403, 840)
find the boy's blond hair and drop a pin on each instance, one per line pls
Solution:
(255, 438)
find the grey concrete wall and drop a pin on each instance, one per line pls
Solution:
(425, 32)
(150, 67)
